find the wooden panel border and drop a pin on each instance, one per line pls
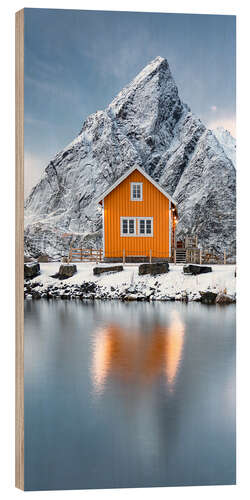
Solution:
(19, 229)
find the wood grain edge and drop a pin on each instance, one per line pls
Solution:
(19, 236)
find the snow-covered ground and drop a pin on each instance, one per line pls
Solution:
(172, 285)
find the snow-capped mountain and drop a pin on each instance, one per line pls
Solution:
(147, 125)
(228, 143)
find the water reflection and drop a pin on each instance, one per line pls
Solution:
(163, 380)
(136, 356)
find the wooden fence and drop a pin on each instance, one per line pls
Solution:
(85, 255)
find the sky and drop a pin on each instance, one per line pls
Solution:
(77, 61)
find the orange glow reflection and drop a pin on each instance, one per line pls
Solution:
(136, 356)
(174, 346)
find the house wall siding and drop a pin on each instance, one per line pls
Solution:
(118, 204)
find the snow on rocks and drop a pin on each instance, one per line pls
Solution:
(223, 298)
(208, 297)
(130, 286)
(31, 270)
(153, 269)
(107, 269)
(65, 271)
(195, 269)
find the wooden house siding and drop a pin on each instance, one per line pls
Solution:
(118, 204)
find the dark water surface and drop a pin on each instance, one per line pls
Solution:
(128, 395)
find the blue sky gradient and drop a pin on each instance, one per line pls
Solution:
(77, 61)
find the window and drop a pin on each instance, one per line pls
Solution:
(136, 191)
(131, 226)
(136, 226)
(145, 227)
(142, 226)
(128, 226)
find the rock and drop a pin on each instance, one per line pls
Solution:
(65, 271)
(65, 296)
(153, 269)
(107, 269)
(184, 297)
(208, 297)
(31, 270)
(223, 298)
(43, 258)
(28, 259)
(35, 284)
(132, 297)
(36, 295)
(196, 269)
(88, 287)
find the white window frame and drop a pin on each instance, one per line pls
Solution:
(132, 184)
(128, 219)
(137, 227)
(147, 235)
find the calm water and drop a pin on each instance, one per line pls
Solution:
(128, 395)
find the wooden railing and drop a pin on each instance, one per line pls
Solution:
(191, 242)
(194, 255)
(85, 255)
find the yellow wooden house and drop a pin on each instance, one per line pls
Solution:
(139, 219)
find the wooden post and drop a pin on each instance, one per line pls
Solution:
(225, 257)
(150, 256)
(200, 256)
(123, 258)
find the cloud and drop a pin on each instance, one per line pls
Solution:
(32, 120)
(50, 87)
(227, 123)
(120, 60)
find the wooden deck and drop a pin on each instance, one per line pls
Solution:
(188, 252)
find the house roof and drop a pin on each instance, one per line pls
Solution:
(148, 177)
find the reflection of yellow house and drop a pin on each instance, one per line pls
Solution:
(132, 357)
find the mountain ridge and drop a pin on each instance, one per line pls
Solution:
(145, 124)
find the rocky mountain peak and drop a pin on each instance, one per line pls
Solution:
(227, 141)
(153, 87)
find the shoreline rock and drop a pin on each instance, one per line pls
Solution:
(92, 291)
(65, 271)
(107, 269)
(195, 269)
(153, 269)
(31, 270)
